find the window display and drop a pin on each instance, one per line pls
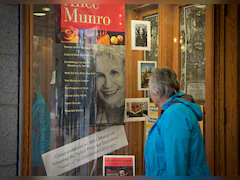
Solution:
(91, 65)
(86, 90)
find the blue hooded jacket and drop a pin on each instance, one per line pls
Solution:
(40, 129)
(174, 145)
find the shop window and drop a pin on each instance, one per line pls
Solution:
(90, 73)
(78, 86)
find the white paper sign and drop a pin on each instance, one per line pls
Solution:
(153, 116)
(82, 151)
(197, 90)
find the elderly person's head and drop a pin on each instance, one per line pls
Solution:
(163, 84)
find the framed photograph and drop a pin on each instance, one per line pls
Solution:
(136, 109)
(141, 35)
(152, 55)
(118, 165)
(145, 69)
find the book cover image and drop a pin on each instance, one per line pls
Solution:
(120, 165)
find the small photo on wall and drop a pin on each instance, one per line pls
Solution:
(141, 35)
(145, 69)
(136, 109)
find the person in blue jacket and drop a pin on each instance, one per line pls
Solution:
(40, 133)
(174, 145)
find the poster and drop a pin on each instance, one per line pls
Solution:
(118, 165)
(153, 117)
(90, 74)
(82, 151)
(136, 109)
(193, 56)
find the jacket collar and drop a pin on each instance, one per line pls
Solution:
(166, 105)
(171, 100)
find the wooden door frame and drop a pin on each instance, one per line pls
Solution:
(210, 96)
(219, 84)
(27, 32)
(222, 90)
(231, 89)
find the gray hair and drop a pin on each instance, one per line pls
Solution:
(112, 51)
(164, 82)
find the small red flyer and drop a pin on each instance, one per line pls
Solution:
(119, 165)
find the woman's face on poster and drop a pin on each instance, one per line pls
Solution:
(110, 80)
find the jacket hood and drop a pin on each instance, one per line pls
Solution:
(39, 98)
(176, 98)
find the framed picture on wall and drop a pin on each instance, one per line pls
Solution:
(141, 35)
(145, 69)
(136, 109)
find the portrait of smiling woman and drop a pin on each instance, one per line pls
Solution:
(110, 62)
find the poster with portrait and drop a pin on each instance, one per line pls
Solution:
(92, 64)
(141, 35)
(152, 55)
(110, 85)
(136, 109)
(145, 70)
(120, 165)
